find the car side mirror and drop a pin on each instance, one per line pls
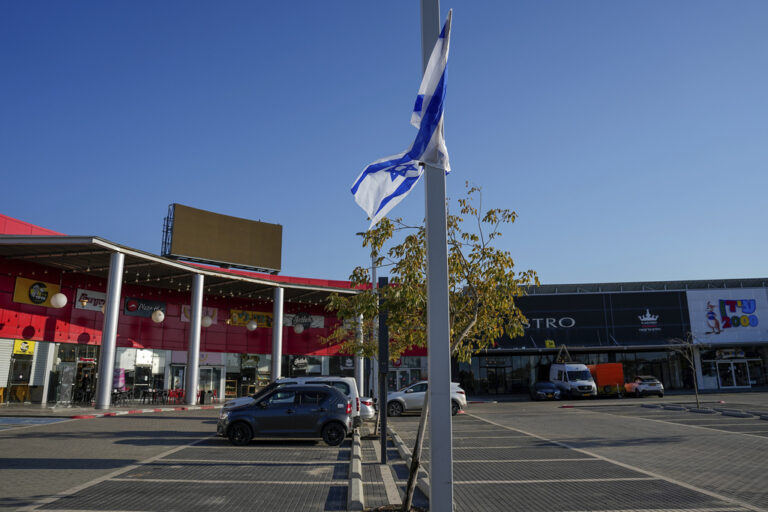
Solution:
(409, 391)
(263, 405)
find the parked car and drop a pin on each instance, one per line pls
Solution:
(367, 409)
(289, 411)
(346, 385)
(573, 380)
(643, 385)
(412, 398)
(544, 390)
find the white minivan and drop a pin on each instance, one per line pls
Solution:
(573, 380)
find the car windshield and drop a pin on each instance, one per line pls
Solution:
(649, 379)
(579, 375)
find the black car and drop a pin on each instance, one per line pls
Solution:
(289, 411)
(544, 390)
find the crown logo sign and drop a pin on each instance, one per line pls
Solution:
(648, 318)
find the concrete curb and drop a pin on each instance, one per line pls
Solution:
(355, 496)
(422, 479)
(736, 414)
(143, 411)
(703, 410)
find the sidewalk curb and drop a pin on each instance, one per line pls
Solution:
(355, 496)
(142, 411)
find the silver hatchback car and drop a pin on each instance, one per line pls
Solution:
(412, 398)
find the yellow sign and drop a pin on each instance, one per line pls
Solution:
(32, 291)
(549, 343)
(242, 317)
(24, 347)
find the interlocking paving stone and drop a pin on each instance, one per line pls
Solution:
(256, 453)
(137, 495)
(538, 470)
(546, 451)
(224, 471)
(568, 496)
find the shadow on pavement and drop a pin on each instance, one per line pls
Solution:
(67, 463)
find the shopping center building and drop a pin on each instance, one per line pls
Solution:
(51, 354)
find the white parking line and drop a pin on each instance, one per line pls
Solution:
(390, 487)
(523, 460)
(223, 482)
(254, 462)
(555, 480)
(633, 468)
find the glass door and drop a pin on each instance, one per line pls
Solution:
(733, 374)
(740, 374)
(725, 373)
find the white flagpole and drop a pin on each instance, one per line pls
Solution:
(438, 332)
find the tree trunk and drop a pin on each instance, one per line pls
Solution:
(416, 456)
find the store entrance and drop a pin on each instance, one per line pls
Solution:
(497, 380)
(733, 374)
(400, 378)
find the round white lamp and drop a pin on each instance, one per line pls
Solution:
(298, 328)
(252, 325)
(206, 321)
(59, 300)
(158, 316)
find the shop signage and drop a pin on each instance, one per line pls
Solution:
(735, 315)
(649, 322)
(37, 293)
(565, 322)
(241, 317)
(186, 313)
(142, 307)
(305, 320)
(600, 319)
(90, 300)
(24, 347)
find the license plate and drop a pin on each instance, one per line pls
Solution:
(651, 385)
(549, 395)
(586, 394)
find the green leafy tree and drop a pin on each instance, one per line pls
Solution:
(482, 284)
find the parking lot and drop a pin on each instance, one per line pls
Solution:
(605, 455)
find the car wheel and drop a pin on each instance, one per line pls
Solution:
(661, 395)
(455, 408)
(394, 409)
(333, 434)
(637, 394)
(240, 434)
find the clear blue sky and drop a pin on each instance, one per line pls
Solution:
(631, 137)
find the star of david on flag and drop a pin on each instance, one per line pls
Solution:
(386, 182)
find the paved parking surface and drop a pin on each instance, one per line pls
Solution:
(169, 462)
(624, 457)
(22, 422)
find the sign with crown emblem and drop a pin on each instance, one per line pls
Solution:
(649, 322)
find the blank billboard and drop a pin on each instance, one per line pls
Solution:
(201, 235)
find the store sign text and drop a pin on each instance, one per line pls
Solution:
(565, 322)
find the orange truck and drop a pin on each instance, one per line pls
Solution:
(609, 378)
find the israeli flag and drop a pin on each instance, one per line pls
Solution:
(386, 182)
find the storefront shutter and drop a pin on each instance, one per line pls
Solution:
(40, 363)
(6, 350)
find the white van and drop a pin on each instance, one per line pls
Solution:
(573, 379)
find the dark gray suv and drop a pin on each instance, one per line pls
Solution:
(289, 411)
